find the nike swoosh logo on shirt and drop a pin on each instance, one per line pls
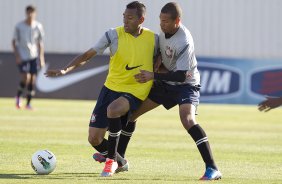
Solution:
(48, 84)
(131, 68)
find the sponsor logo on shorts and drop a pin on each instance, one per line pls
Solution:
(93, 118)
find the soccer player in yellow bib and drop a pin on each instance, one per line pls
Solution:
(132, 48)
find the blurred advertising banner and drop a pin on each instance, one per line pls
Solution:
(223, 80)
(239, 81)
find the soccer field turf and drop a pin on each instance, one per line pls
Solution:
(247, 144)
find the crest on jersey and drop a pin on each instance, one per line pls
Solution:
(168, 52)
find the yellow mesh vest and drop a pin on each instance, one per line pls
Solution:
(131, 53)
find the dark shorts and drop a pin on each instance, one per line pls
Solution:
(106, 97)
(29, 66)
(171, 95)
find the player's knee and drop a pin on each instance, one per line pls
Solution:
(113, 111)
(94, 140)
(187, 122)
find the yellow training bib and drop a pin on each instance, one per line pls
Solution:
(133, 54)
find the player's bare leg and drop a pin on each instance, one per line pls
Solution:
(187, 116)
(23, 83)
(129, 128)
(97, 141)
(115, 110)
(30, 90)
(146, 106)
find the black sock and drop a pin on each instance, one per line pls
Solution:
(201, 140)
(126, 133)
(20, 89)
(102, 148)
(30, 93)
(114, 133)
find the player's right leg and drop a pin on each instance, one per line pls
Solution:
(99, 124)
(23, 69)
(128, 129)
(97, 141)
(31, 82)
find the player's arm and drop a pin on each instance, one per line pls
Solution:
(175, 76)
(99, 48)
(40, 46)
(145, 76)
(76, 62)
(41, 54)
(14, 45)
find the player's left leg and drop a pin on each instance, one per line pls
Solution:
(129, 127)
(31, 82)
(187, 115)
(115, 110)
(23, 69)
(30, 91)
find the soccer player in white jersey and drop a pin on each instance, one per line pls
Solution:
(28, 45)
(180, 85)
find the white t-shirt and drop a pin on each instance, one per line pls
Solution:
(178, 54)
(27, 39)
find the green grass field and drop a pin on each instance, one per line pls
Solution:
(246, 143)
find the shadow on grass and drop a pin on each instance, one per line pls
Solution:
(61, 176)
(50, 176)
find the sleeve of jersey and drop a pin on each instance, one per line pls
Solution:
(178, 76)
(157, 47)
(183, 58)
(105, 41)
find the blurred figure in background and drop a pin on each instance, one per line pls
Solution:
(270, 103)
(28, 48)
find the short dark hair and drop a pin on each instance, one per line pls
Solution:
(173, 9)
(141, 8)
(30, 8)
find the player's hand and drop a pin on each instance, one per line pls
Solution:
(158, 63)
(269, 103)
(54, 73)
(144, 76)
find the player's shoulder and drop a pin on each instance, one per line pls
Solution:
(38, 24)
(148, 30)
(112, 32)
(20, 24)
(184, 31)
(184, 35)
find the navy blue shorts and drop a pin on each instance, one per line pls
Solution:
(106, 97)
(171, 95)
(29, 66)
